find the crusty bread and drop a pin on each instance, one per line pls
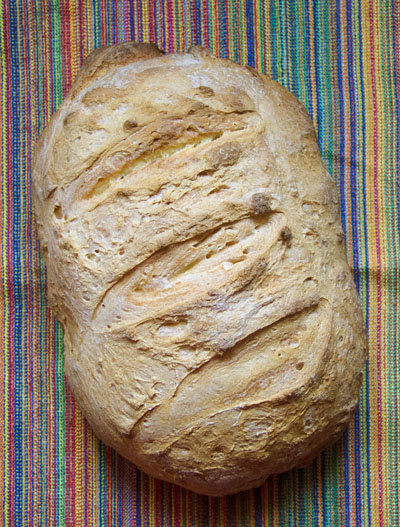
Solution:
(195, 258)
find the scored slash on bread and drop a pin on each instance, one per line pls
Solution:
(195, 258)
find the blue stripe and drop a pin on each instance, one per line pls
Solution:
(198, 14)
(16, 294)
(308, 101)
(222, 29)
(343, 211)
(354, 223)
(138, 497)
(114, 25)
(258, 507)
(250, 32)
(132, 20)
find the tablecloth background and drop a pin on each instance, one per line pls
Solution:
(341, 58)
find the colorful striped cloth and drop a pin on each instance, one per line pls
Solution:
(341, 58)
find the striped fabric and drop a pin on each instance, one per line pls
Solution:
(341, 58)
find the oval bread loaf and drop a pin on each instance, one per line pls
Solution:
(195, 258)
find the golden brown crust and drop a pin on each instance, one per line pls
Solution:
(107, 58)
(213, 334)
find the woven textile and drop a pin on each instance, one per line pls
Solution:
(341, 58)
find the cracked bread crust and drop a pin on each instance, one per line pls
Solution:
(195, 258)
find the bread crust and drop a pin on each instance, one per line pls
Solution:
(195, 259)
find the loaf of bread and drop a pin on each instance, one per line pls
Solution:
(195, 259)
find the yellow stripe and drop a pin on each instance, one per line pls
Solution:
(89, 33)
(146, 21)
(151, 501)
(75, 63)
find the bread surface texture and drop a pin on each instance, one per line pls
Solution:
(196, 261)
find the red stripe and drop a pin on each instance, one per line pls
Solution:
(70, 461)
(170, 27)
(379, 264)
(65, 39)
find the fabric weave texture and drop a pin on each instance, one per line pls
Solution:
(342, 60)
